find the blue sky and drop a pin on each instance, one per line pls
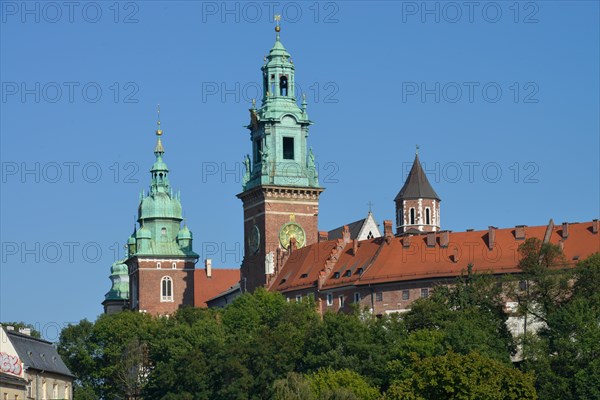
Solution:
(502, 98)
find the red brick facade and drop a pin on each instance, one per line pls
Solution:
(269, 209)
(146, 282)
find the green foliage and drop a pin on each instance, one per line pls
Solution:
(565, 354)
(453, 345)
(463, 377)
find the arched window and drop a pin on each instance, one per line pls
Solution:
(283, 86)
(158, 266)
(174, 265)
(427, 216)
(166, 289)
(412, 216)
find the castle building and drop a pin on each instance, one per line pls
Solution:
(284, 250)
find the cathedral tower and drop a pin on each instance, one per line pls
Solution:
(417, 204)
(160, 260)
(280, 188)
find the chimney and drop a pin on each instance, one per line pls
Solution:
(354, 247)
(346, 234)
(565, 230)
(520, 232)
(208, 266)
(387, 228)
(323, 236)
(25, 331)
(444, 238)
(595, 226)
(491, 237)
(430, 239)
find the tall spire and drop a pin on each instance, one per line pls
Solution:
(159, 171)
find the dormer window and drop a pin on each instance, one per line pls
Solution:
(283, 86)
(336, 275)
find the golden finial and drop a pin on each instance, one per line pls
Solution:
(159, 131)
(277, 19)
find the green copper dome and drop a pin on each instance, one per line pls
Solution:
(143, 233)
(184, 233)
(119, 276)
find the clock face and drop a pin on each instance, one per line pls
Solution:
(292, 230)
(254, 240)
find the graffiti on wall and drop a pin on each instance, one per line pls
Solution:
(10, 364)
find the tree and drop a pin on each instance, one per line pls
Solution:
(463, 377)
(565, 354)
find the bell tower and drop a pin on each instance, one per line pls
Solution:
(417, 204)
(280, 192)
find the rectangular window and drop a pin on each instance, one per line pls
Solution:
(424, 293)
(379, 296)
(329, 299)
(405, 295)
(298, 299)
(357, 297)
(257, 150)
(288, 148)
(341, 301)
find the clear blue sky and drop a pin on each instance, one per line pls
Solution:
(371, 72)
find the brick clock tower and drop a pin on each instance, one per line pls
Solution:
(417, 204)
(160, 259)
(280, 188)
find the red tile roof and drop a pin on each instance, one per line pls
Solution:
(206, 288)
(409, 258)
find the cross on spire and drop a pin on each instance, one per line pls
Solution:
(370, 204)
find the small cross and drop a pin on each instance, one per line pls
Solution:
(370, 204)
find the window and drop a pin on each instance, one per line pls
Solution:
(357, 297)
(283, 86)
(341, 300)
(427, 216)
(55, 391)
(298, 298)
(66, 396)
(163, 231)
(5, 396)
(44, 390)
(174, 265)
(523, 285)
(166, 293)
(336, 275)
(348, 273)
(359, 271)
(424, 293)
(370, 235)
(329, 299)
(158, 266)
(303, 275)
(258, 150)
(288, 148)
(379, 296)
(405, 295)
(412, 216)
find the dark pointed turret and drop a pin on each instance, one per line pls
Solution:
(417, 204)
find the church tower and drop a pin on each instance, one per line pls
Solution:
(417, 204)
(280, 188)
(160, 260)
